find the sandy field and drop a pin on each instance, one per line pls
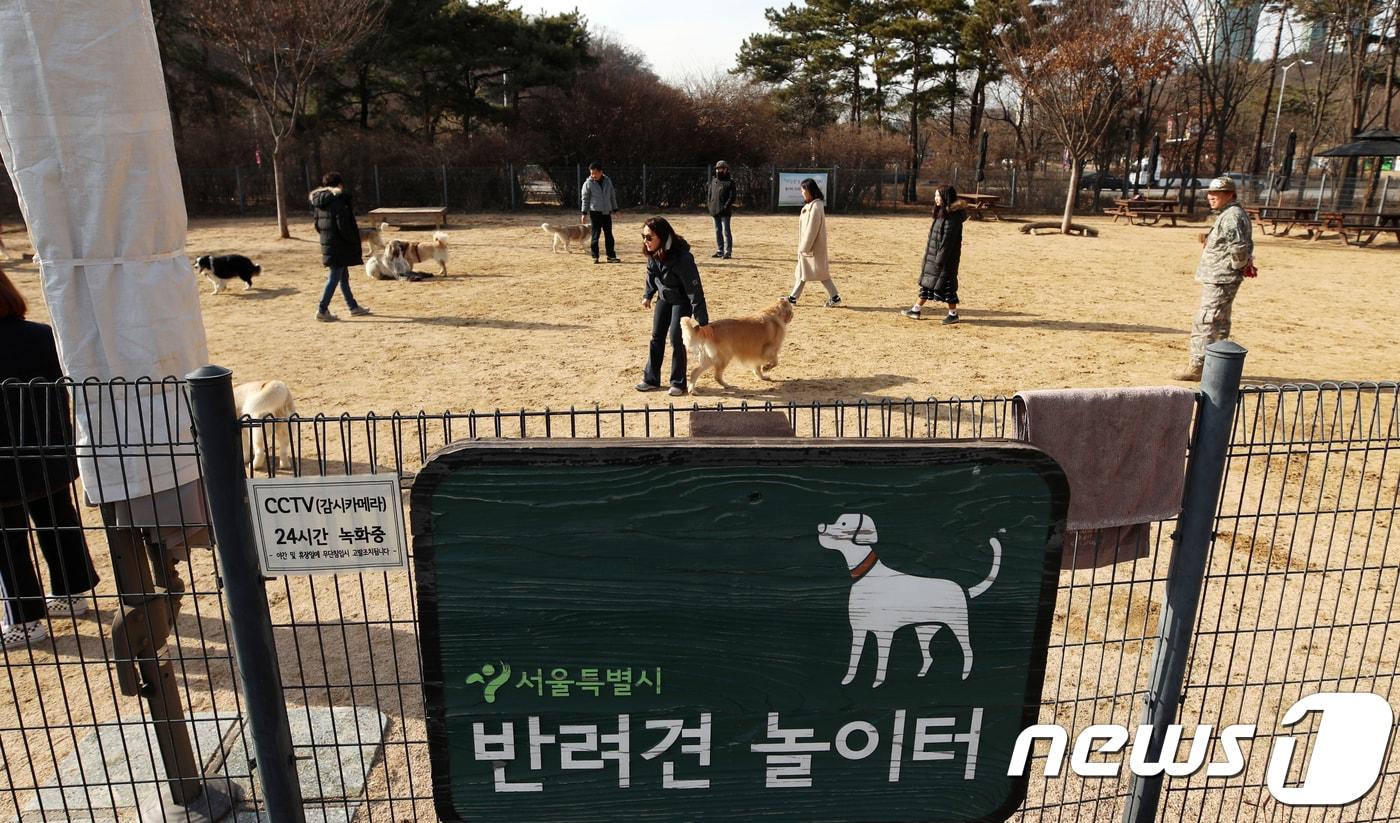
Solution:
(514, 325)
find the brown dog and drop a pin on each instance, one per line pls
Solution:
(753, 341)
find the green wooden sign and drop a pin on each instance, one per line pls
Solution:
(694, 630)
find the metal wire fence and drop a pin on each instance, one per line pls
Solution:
(1299, 597)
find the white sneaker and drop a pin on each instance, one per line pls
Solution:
(22, 634)
(60, 606)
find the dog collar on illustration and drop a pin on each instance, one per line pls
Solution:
(863, 567)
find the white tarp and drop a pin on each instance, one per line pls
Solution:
(85, 136)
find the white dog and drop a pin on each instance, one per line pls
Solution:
(884, 600)
(390, 263)
(263, 399)
(569, 235)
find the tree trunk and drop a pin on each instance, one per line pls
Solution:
(363, 87)
(282, 230)
(1068, 219)
(977, 105)
(911, 184)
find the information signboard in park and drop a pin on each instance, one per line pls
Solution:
(733, 630)
(328, 525)
(790, 186)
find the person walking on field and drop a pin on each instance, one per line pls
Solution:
(721, 203)
(598, 201)
(36, 472)
(1226, 259)
(812, 264)
(939, 278)
(673, 291)
(340, 243)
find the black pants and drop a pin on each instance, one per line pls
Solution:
(666, 322)
(602, 223)
(60, 535)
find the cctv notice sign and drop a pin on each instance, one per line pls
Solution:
(738, 630)
(328, 525)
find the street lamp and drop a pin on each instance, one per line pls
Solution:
(1278, 110)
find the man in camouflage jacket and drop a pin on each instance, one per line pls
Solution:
(1228, 250)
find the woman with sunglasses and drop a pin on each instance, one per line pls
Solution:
(672, 291)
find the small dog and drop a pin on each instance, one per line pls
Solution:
(436, 251)
(753, 341)
(374, 235)
(569, 235)
(219, 269)
(262, 399)
(883, 600)
(391, 263)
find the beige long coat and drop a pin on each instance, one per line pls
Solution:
(812, 264)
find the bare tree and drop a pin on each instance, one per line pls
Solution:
(1082, 64)
(280, 46)
(1219, 37)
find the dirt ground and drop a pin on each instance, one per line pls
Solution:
(514, 325)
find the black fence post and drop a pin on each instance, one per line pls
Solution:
(1195, 529)
(221, 461)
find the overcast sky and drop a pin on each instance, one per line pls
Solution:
(678, 38)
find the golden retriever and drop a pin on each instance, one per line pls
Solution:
(753, 341)
(259, 400)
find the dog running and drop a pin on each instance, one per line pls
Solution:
(753, 341)
(219, 269)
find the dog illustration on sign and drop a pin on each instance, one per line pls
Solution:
(884, 600)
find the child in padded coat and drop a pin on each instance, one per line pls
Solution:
(939, 278)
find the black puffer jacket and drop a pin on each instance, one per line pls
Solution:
(677, 280)
(944, 250)
(35, 433)
(335, 222)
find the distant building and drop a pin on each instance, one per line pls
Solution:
(1229, 28)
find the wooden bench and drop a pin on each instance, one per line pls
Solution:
(1365, 227)
(435, 216)
(1142, 210)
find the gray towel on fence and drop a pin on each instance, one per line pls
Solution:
(1123, 452)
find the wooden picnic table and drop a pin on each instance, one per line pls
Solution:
(1143, 209)
(983, 204)
(1365, 225)
(1287, 216)
(411, 215)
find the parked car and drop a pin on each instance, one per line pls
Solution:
(1091, 180)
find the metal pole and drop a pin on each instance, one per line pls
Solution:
(510, 181)
(831, 188)
(1013, 187)
(1321, 189)
(1380, 205)
(242, 201)
(1220, 387)
(578, 183)
(644, 184)
(378, 198)
(444, 184)
(221, 461)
